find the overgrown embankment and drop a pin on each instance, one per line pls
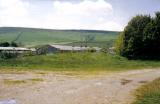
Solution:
(149, 93)
(76, 61)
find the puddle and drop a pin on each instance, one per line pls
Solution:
(125, 81)
(143, 81)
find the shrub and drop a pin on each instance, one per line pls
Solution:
(148, 93)
(119, 43)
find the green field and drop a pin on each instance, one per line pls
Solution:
(149, 93)
(102, 44)
(76, 61)
(31, 36)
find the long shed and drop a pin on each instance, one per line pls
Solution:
(16, 49)
(64, 48)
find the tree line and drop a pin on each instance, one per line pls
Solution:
(8, 44)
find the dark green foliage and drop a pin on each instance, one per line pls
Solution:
(13, 44)
(152, 37)
(133, 36)
(7, 44)
(141, 38)
(4, 44)
(6, 55)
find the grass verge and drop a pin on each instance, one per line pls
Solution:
(77, 62)
(149, 93)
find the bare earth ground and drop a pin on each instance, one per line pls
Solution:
(56, 88)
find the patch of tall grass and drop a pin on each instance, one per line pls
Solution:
(76, 61)
(149, 93)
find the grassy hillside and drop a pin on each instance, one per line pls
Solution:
(76, 61)
(102, 44)
(31, 36)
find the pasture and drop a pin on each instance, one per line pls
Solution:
(32, 37)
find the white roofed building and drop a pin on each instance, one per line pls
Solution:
(16, 49)
(64, 48)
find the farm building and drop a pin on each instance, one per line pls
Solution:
(63, 48)
(16, 49)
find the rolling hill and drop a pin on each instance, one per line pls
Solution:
(35, 36)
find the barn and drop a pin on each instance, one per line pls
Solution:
(64, 48)
(16, 50)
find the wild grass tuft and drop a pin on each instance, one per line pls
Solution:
(149, 93)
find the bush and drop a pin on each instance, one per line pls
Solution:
(7, 44)
(4, 44)
(6, 55)
(148, 93)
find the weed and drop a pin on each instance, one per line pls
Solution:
(148, 93)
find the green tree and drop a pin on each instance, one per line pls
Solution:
(4, 44)
(133, 36)
(141, 38)
(152, 37)
(13, 44)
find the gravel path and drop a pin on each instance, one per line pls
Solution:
(52, 88)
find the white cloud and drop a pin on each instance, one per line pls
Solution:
(85, 8)
(13, 7)
(16, 13)
(86, 14)
(107, 26)
(12, 12)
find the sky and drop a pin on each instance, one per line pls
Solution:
(74, 14)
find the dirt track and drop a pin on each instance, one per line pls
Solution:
(52, 88)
